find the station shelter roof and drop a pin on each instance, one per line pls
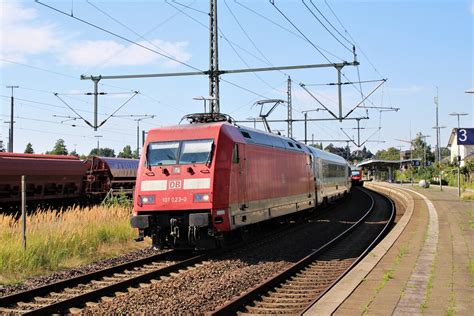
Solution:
(382, 164)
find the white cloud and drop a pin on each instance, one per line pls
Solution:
(107, 53)
(21, 35)
(12, 13)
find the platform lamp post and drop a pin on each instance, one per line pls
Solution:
(458, 157)
(411, 156)
(424, 155)
(438, 147)
(305, 113)
(401, 158)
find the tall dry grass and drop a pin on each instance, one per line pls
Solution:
(57, 240)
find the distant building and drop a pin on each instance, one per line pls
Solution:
(465, 151)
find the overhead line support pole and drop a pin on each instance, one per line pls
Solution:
(213, 58)
(10, 134)
(290, 110)
(96, 99)
(339, 91)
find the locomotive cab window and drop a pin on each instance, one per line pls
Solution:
(180, 152)
(195, 151)
(163, 153)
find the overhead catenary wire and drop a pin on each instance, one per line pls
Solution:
(140, 36)
(282, 27)
(119, 36)
(138, 44)
(325, 27)
(353, 40)
(247, 35)
(329, 22)
(299, 31)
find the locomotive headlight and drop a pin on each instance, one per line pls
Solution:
(147, 199)
(201, 197)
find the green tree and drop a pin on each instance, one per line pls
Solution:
(103, 152)
(421, 148)
(2, 148)
(29, 149)
(135, 154)
(126, 152)
(445, 152)
(388, 154)
(74, 153)
(59, 148)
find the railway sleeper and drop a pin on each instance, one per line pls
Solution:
(271, 311)
(275, 295)
(301, 287)
(271, 299)
(282, 305)
(294, 290)
(9, 311)
(303, 281)
(122, 275)
(102, 283)
(113, 278)
(74, 290)
(31, 304)
(63, 295)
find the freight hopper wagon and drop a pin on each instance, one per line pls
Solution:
(106, 175)
(198, 183)
(49, 177)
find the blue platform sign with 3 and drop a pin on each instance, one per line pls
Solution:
(465, 136)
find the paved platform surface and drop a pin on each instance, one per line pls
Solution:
(427, 270)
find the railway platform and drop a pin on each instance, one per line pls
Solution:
(425, 265)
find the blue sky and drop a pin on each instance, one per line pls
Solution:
(417, 45)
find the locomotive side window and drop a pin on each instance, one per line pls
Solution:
(245, 134)
(235, 154)
(195, 151)
(163, 153)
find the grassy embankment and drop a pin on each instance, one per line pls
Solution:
(62, 240)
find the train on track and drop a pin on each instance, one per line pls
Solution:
(54, 178)
(356, 176)
(201, 183)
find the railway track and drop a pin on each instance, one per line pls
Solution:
(298, 287)
(74, 292)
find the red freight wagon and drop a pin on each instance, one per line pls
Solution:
(49, 177)
(197, 183)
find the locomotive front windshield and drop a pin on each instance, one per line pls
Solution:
(179, 152)
(355, 172)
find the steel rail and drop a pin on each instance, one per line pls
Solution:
(251, 295)
(381, 234)
(62, 304)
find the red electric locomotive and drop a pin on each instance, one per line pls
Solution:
(356, 176)
(198, 183)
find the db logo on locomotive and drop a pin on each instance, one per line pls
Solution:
(174, 184)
